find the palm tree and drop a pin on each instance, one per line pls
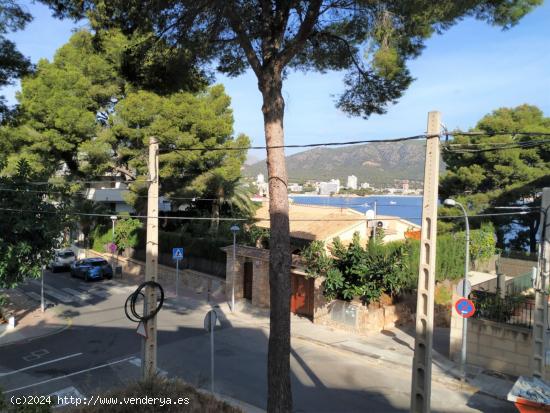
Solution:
(237, 196)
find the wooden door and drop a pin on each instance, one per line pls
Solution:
(301, 300)
(247, 279)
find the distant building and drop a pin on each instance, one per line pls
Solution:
(365, 185)
(352, 182)
(327, 188)
(405, 185)
(295, 188)
(112, 194)
(261, 185)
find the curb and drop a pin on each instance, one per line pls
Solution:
(451, 382)
(26, 340)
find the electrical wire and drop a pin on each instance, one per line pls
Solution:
(355, 142)
(309, 145)
(359, 218)
(80, 182)
(497, 133)
(132, 299)
(511, 145)
(194, 199)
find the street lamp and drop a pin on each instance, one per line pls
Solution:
(113, 220)
(452, 203)
(234, 229)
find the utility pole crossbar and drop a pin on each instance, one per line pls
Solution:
(422, 362)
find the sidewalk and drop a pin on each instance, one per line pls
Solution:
(31, 323)
(395, 347)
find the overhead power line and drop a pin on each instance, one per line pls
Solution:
(496, 133)
(354, 142)
(309, 145)
(358, 218)
(511, 145)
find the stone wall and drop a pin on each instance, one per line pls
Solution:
(494, 346)
(513, 267)
(360, 318)
(260, 284)
(134, 271)
(234, 278)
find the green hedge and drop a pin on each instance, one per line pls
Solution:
(100, 236)
(451, 249)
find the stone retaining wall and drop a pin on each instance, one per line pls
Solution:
(358, 318)
(188, 279)
(495, 346)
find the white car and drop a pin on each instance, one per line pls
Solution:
(62, 260)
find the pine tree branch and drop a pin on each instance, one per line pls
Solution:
(234, 18)
(306, 28)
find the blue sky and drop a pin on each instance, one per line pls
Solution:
(465, 73)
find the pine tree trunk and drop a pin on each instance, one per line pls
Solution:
(279, 398)
(215, 222)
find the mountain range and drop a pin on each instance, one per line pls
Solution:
(375, 163)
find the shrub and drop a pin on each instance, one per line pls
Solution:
(126, 235)
(100, 236)
(316, 260)
(450, 252)
(354, 271)
(160, 388)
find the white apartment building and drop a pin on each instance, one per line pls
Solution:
(327, 188)
(352, 182)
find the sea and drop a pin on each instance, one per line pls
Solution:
(406, 207)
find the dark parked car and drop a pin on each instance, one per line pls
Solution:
(91, 269)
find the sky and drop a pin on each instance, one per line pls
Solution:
(465, 73)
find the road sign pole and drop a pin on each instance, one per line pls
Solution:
(465, 295)
(233, 273)
(212, 325)
(42, 306)
(177, 276)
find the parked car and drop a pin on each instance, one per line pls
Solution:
(92, 269)
(62, 259)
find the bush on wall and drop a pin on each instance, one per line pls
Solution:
(353, 271)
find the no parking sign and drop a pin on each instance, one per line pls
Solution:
(465, 308)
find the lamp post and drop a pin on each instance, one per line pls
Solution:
(234, 229)
(113, 220)
(452, 203)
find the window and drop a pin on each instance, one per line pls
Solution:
(65, 254)
(98, 263)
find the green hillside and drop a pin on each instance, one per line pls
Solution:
(376, 163)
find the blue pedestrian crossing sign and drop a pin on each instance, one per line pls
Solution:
(177, 254)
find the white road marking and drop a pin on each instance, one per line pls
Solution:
(120, 290)
(36, 297)
(35, 355)
(78, 294)
(64, 298)
(67, 375)
(98, 292)
(40, 364)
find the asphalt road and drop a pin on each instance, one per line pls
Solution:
(101, 348)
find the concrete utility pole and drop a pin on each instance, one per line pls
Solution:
(149, 348)
(422, 362)
(541, 287)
